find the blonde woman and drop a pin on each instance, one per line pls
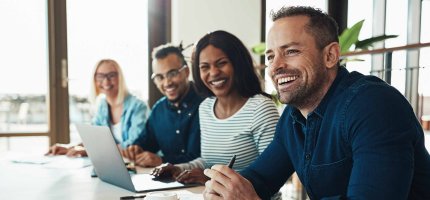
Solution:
(124, 113)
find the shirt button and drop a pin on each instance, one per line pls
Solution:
(183, 151)
(308, 156)
(177, 131)
(179, 111)
(189, 114)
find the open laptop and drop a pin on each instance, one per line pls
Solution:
(109, 165)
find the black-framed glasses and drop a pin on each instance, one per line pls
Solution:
(157, 78)
(100, 77)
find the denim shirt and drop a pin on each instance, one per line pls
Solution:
(174, 130)
(133, 118)
(362, 141)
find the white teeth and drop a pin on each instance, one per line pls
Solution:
(169, 89)
(287, 79)
(216, 83)
(108, 87)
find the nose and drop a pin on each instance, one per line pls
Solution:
(277, 63)
(214, 71)
(105, 79)
(166, 81)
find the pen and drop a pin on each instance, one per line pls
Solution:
(231, 163)
(133, 197)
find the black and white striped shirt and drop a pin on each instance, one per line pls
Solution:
(246, 133)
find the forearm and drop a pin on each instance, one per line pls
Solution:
(196, 163)
(268, 180)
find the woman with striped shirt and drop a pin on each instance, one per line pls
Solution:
(237, 118)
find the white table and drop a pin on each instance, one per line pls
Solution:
(32, 181)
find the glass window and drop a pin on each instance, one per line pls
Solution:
(99, 29)
(24, 80)
(356, 12)
(396, 24)
(424, 81)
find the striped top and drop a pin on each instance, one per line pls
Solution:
(246, 133)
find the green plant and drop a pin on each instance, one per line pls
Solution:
(349, 37)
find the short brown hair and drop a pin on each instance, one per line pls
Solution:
(321, 26)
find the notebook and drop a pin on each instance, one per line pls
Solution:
(109, 165)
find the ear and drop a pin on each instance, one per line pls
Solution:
(187, 71)
(331, 54)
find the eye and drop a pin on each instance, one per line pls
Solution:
(112, 75)
(158, 77)
(204, 67)
(172, 73)
(221, 63)
(269, 57)
(291, 52)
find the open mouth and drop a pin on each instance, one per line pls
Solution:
(170, 88)
(286, 80)
(218, 82)
(107, 87)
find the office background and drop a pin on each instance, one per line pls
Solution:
(49, 48)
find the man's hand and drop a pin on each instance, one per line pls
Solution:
(131, 152)
(225, 183)
(148, 159)
(57, 149)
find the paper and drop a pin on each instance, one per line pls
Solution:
(50, 161)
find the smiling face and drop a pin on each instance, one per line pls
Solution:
(296, 65)
(173, 88)
(106, 79)
(216, 71)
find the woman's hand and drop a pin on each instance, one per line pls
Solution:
(77, 151)
(192, 176)
(166, 170)
(57, 149)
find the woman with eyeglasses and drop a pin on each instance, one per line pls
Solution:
(124, 113)
(237, 118)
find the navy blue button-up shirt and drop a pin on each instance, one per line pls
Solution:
(174, 130)
(363, 141)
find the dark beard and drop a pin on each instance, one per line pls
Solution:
(306, 95)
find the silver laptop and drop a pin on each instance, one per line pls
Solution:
(109, 165)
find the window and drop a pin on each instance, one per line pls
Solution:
(24, 82)
(100, 29)
(43, 50)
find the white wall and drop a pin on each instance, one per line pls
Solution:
(191, 19)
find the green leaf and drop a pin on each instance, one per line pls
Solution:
(259, 49)
(350, 36)
(365, 44)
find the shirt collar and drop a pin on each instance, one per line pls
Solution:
(187, 101)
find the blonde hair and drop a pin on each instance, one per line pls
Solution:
(122, 88)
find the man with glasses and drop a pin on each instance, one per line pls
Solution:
(172, 128)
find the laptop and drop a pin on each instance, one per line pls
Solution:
(109, 165)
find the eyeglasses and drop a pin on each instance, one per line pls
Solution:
(100, 77)
(157, 78)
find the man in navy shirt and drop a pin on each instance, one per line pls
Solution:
(348, 136)
(173, 125)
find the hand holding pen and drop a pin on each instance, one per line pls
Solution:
(231, 163)
(227, 183)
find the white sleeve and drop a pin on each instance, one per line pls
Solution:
(264, 124)
(196, 163)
